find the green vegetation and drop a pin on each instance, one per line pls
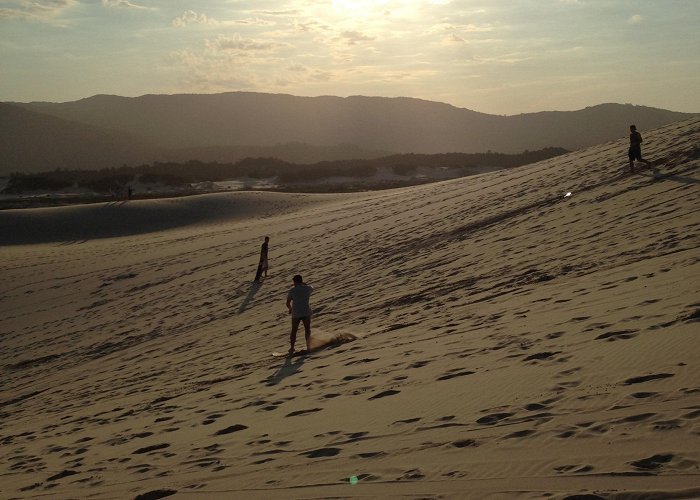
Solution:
(181, 175)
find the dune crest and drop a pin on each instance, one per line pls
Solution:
(130, 218)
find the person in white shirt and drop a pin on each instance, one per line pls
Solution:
(298, 306)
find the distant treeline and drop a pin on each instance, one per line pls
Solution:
(182, 174)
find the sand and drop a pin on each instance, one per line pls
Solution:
(512, 341)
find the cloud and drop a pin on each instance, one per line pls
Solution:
(453, 39)
(462, 28)
(251, 21)
(37, 10)
(239, 44)
(190, 17)
(290, 12)
(123, 4)
(11, 14)
(352, 37)
(210, 71)
(635, 19)
(309, 26)
(297, 68)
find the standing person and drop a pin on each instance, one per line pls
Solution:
(635, 151)
(262, 265)
(299, 308)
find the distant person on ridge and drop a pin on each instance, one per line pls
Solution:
(298, 306)
(262, 265)
(635, 151)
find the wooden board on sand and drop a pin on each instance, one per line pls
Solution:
(278, 354)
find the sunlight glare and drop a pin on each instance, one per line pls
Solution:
(359, 8)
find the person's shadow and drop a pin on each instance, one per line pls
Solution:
(254, 287)
(287, 369)
(671, 177)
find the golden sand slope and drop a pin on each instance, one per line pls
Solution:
(513, 342)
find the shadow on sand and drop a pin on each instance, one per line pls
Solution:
(679, 178)
(670, 177)
(319, 342)
(254, 287)
(287, 369)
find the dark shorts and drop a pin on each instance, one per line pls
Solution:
(305, 319)
(635, 153)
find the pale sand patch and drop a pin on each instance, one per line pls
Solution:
(514, 342)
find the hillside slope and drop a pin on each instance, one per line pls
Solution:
(32, 141)
(401, 125)
(514, 342)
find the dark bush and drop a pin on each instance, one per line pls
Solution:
(109, 183)
(20, 183)
(404, 169)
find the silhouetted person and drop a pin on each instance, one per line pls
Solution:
(635, 151)
(129, 192)
(262, 265)
(299, 308)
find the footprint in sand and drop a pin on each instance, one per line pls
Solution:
(407, 421)
(634, 418)
(667, 425)
(357, 361)
(554, 335)
(535, 406)
(322, 452)
(384, 394)
(540, 356)
(373, 454)
(576, 469)
(62, 474)
(493, 418)
(465, 443)
(643, 395)
(617, 335)
(212, 418)
(155, 494)
(692, 415)
(454, 374)
(520, 434)
(652, 463)
(302, 412)
(154, 447)
(230, 429)
(411, 475)
(646, 378)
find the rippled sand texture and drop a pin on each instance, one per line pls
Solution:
(511, 342)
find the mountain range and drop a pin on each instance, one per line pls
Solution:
(106, 130)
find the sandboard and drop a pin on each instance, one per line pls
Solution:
(277, 354)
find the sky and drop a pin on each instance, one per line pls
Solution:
(493, 56)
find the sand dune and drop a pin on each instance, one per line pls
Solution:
(126, 218)
(513, 342)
